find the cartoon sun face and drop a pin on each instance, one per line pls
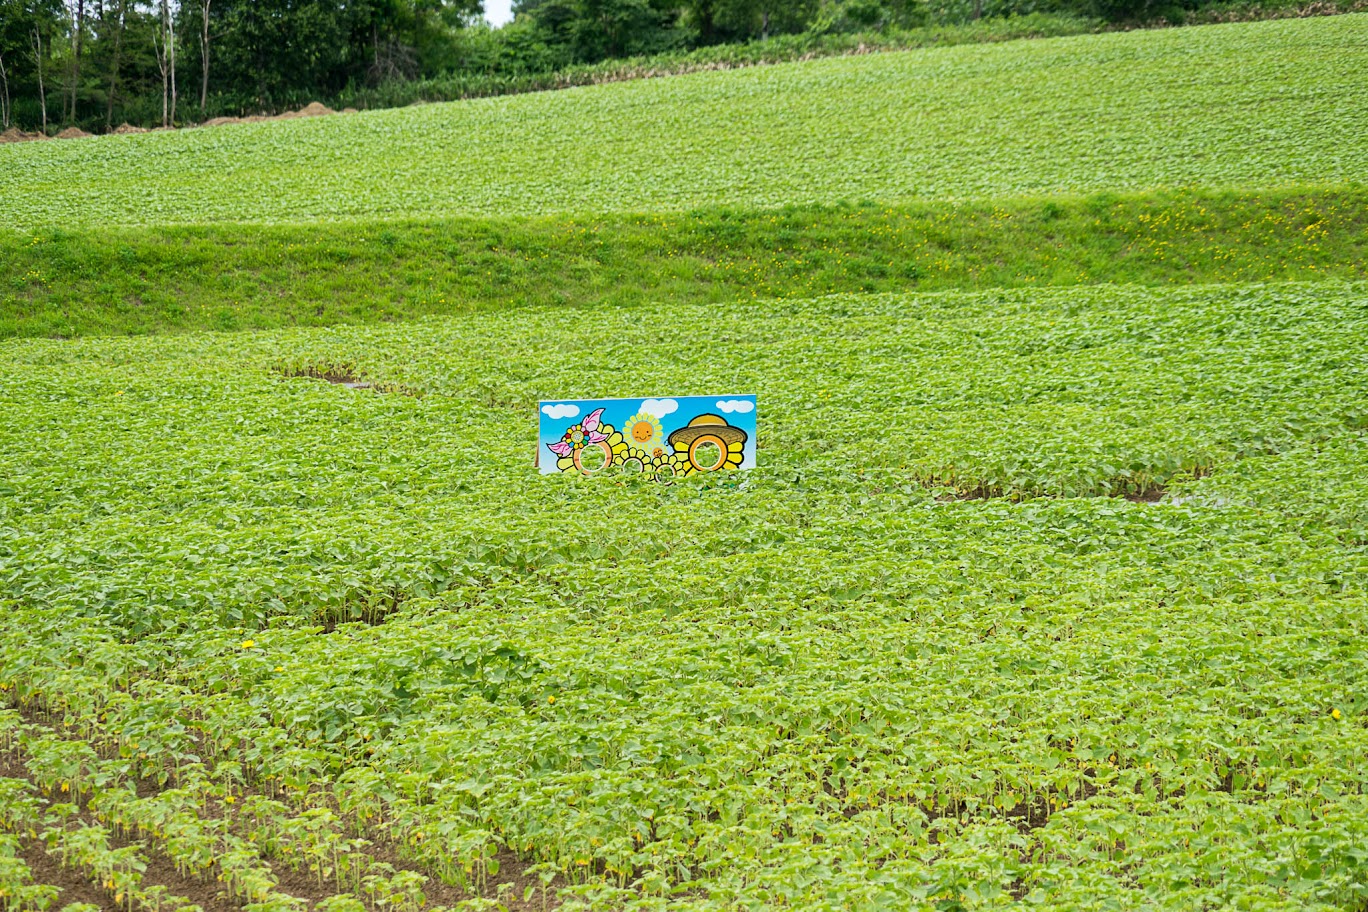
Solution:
(643, 430)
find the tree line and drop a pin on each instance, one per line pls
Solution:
(98, 63)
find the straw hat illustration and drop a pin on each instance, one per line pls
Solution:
(709, 429)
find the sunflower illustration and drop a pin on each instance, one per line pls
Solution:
(666, 465)
(709, 444)
(636, 459)
(643, 431)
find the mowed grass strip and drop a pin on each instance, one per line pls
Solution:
(143, 280)
(1250, 104)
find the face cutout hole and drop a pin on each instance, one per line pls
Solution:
(708, 453)
(632, 466)
(593, 458)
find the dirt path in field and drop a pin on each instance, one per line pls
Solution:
(299, 883)
(77, 887)
(49, 871)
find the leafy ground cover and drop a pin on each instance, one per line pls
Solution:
(775, 49)
(1043, 595)
(59, 282)
(809, 45)
(1050, 595)
(1249, 104)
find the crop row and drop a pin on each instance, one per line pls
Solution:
(71, 769)
(78, 844)
(18, 891)
(213, 824)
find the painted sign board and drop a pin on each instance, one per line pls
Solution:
(667, 437)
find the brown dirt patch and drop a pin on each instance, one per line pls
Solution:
(47, 870)
(312, 109)
(1152, 494)
(300, 883)
(351, 377)
(342, 374)
(124, 129)
(512, 870)
(73, 133)
(14, 135)
(208, 896)
(77, 887)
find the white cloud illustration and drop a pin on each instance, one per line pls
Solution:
(736, 405)
(569, 410)
(659, 407)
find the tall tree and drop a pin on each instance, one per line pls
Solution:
(27, 30)
(38, 63)
(702, 16)
(117, 11)
(77, 33)
(594, 30)
(204, 54)
(747, 19)
(165, 38)
(4, 94)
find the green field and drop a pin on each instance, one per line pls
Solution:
(832, 683)
(1249, 104)
(1049, 589)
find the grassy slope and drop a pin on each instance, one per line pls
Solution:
(135, 280)
(1258, 104)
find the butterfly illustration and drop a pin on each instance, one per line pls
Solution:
(575, 438)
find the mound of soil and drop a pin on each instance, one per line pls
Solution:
(312, 109)
(14, 134)
(220, 121)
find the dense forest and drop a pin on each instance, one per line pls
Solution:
(95, 64)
